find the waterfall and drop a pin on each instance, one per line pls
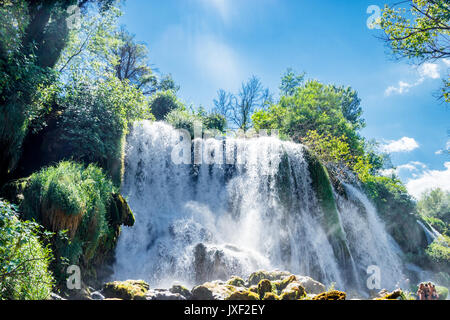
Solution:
(248, 205)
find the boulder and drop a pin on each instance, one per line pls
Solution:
(311, 285)
(215, 290)
(161, 294)
(270, 296)
(263, 287)
(257, 276)
(126, 290)
(244, 295)
(236, 281)
(176, 288)
(331, 295)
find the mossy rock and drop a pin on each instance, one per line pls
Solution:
(126, 290)
(270, 296)
(299, 290)
(264, 286)
(257, 276)
(181, 290)
(253, 289)
(236, 281)
(244, 295)
(282, 284)
(394, 295)
(215, 290)
(331, 295)
(290, 295)
(120, 212)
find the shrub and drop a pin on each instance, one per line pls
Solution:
(76, 198)
(24, 261)
(162, 103)
(439, 253)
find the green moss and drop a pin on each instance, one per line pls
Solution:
(270, 296)
(126, 290)
(331, 295)
(236, 281)
(394, 295)
(265, 286)
(282, 284)
(330, 220)
(244, 295)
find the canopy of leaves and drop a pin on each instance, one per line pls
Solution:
(313, 106)
(420, 33)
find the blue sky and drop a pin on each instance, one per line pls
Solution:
(211, 44)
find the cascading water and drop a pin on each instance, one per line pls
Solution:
(248, 205)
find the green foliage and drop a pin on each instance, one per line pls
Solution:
(439, 252)
(290, 81)
(94, 119)
(313, 106)
(24, 260)
(335, 151)
(76, 198)
(420, 32)
(211, 124)
(434, 207)
(162, 103)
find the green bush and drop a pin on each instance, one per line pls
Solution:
(163, 102)
(212, 124)
(24, 261)
(76, 198)
(439, 253)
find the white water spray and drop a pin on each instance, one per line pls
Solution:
(196, 223)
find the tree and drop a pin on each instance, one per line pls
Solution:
(434, 207)
(313, 106)
(133, 63)
(163, 102)
(33, 33)
(422, 34)
(239, 109)
(290, 82)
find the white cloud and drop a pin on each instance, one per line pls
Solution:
(405, 144)
(401, 88)
(429, 70)
(447, 148)
(430, 179)
(426, 71)
(446, 62)
(411, 167)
